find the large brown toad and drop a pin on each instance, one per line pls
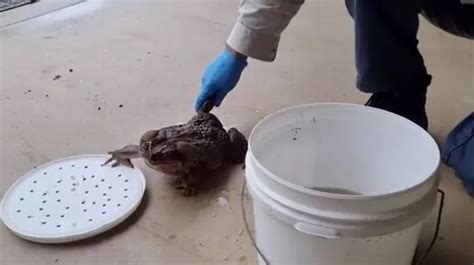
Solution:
(182, 150)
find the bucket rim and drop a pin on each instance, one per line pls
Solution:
(330, 195)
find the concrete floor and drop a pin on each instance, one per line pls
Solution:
(148, 56)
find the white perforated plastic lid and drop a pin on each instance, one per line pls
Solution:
(71, 199)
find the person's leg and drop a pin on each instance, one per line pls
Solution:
(387, 58)
(451, 16)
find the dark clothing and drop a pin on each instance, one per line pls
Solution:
(387, 56)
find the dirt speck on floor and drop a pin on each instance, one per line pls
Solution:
(56, 77)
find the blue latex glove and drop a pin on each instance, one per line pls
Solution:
(219, 78)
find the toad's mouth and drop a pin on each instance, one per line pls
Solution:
(168, 167)
(164, 162)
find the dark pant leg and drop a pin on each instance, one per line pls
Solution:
(387, 56)
(451, 16)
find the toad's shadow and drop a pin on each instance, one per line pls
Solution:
(209, 182)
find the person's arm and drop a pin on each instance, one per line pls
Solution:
(255, 34)
(257, 31)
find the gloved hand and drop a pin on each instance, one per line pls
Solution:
(220, 77)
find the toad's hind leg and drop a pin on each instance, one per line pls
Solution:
(235, 152)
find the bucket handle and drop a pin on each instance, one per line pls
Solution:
(422, 258)
(246, 223)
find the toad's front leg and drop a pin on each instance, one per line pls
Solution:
(123, 156)
(187, 185)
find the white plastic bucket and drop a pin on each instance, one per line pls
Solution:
(340, 184)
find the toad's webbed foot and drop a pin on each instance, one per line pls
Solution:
(186, 186)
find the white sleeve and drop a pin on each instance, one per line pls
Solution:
(257, 31)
